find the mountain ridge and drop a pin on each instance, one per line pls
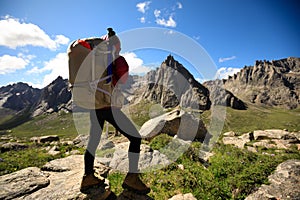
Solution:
(270, 83)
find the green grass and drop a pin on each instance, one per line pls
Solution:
(258, 118)
(13, 120)
(54, 124)
(34, 156)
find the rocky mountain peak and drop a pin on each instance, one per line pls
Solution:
(172, 84)
(273, 83)
(54, 97)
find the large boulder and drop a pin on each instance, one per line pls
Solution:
(177, 122)
(284, 183)
(148, 159)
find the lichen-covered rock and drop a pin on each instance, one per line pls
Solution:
(284, 183)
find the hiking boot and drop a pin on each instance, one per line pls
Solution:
(133, 182)
(91, 180)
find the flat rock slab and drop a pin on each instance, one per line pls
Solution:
(23, 182)
(59, 179)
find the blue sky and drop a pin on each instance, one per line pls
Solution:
(35, 34)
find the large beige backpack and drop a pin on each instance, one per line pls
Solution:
(89, 79)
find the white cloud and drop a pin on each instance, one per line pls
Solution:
(10, 64)
(34, 70)
(14, 33)
(58, 66)
(157, 13)
(179, 5)
(61, 39)
(227, 59)
(143, 6)
(224, 72)
(136, 65)
(168, 23)
(143, 20)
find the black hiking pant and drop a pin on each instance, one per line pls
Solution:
(120, 121)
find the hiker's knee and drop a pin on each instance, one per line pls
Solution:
(135, 144)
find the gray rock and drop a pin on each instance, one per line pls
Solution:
(12, 146)
(148, 159)
(188, 196)
(176, 122)
(19, 96)
(81, 140)
(44, 139)
(49, 138)
(273, 138)
(106, 144)
(60, 181)
(54, 151)
(284, 183)
(23, 182)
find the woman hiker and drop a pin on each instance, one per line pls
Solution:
(119, 120)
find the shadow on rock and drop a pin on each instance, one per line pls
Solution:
(128, 195)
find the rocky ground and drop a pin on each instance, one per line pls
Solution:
(60, 178)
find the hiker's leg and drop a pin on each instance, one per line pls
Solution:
(120, 121)
(96, 127)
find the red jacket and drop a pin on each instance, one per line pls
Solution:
(120, 70)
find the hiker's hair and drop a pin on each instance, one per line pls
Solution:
(111, 32)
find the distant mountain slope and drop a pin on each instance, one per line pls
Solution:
(270, 83)
(54, 97)
(16, 104)
(19, 102)
(18, 96)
